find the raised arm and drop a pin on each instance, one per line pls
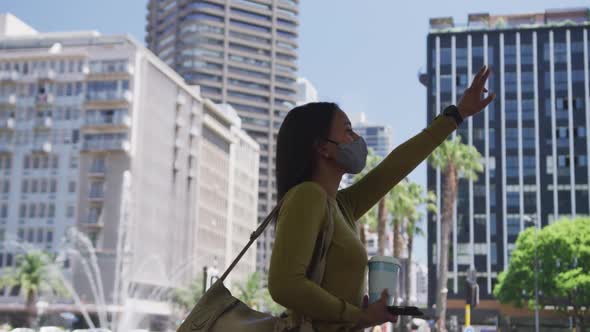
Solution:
(361, 196)
(364, 194)
(300, 221)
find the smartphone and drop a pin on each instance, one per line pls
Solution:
(404, 311)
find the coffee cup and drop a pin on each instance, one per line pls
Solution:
(383, 274)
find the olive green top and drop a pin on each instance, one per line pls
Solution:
(335, 304)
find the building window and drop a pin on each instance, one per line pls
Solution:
(23, 211)
(511, 166)
(4, 211)
(51, 211)
(41, 210)
(94, 214)
(70, 211)
(528, 165)
(32, 211)
(549, 164)
(74, 161)
(513, 226)
(513, 199)
(43, 186)
(494, 253)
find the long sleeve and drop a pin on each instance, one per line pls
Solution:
(364, 194)
(300, 220)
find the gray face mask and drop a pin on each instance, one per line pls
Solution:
(352, 157)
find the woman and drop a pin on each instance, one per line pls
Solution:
(316, 146)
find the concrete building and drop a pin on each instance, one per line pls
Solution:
(533, 137)
(98, 134)
(306, 92)
(372, 241)
(419, 287)
(378, 137)
(242, 53)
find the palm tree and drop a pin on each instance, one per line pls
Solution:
(185, 298)
(400, 205)
(250, 291)
(454, 159)
(33, 275)
(269, 304)
(416, 194)
(375, 218)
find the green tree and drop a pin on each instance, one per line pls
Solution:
(250, 291)
(405, 202)
(419, 199)
(400, 204)
(563, 257)
(269, 304)
(256, 297)
(33, 274)
(455, 160)
(375, 218)
(185, 298)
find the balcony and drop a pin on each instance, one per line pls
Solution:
(97, 171)
(110, 70)
(6, 148)
(108, 98)
(180, 100)
(8, 99)
(9, 76)
(45, 99)
(43, 123)
(180, 122)
(7, 124)
(104, 146)
(88, 224)
(96, 195)
(116, 121)
(180, 143)
(45, 75)
(42, 147)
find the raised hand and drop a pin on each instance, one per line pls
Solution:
(472, 102)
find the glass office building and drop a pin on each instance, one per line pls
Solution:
(533, 137)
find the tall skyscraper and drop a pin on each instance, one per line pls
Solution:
(306, 92)
(378, 137)
(99, 135)
(533, 137)
(243, 53)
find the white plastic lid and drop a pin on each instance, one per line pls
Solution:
(387, 259)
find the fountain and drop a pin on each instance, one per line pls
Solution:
(76, 246)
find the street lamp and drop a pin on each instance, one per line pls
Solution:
(533, 220)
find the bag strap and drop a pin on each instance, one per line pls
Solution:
(318, 262)
(273, 214)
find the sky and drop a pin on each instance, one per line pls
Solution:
(363, 54)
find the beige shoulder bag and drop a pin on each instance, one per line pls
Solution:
(218, 310)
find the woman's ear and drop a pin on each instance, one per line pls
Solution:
(322, 148)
